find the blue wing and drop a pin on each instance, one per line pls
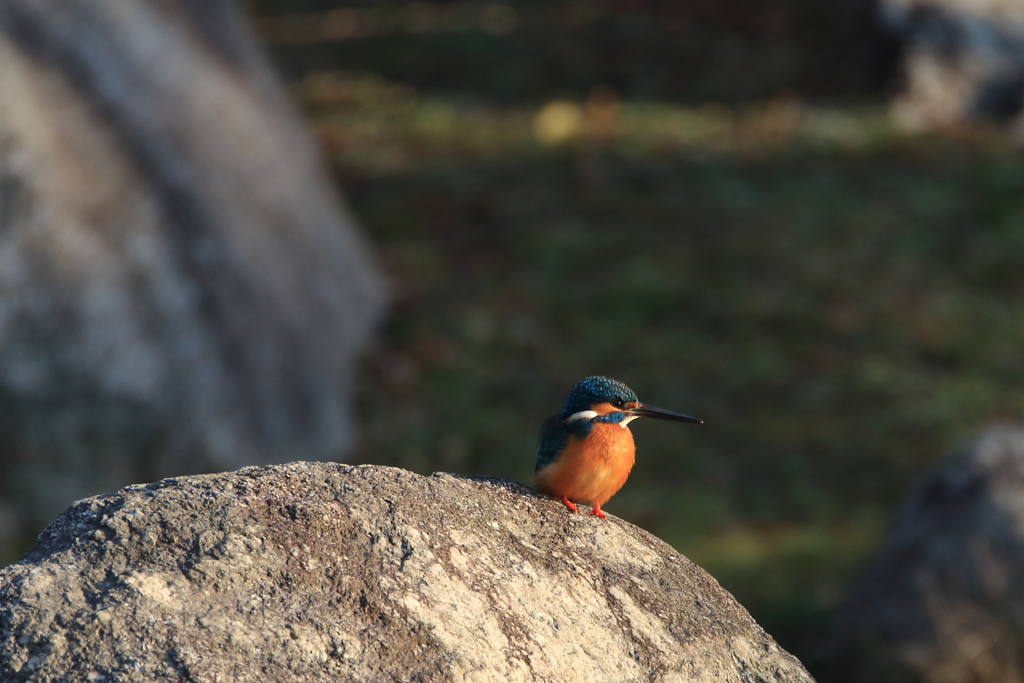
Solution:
(554, 434)
(552, 439)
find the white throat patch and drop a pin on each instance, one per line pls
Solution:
(627, 420)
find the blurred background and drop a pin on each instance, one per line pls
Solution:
(801, 221)
(714, 202)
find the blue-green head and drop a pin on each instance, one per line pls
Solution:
(594, 390)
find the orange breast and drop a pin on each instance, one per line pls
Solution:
(591, 470)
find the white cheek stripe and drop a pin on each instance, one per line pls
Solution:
(582, 415)
(627, 420)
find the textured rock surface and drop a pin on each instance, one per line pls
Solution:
(963, 60)
(944, 600)
(178, 283)
(324, 572)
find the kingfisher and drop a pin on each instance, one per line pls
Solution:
(585, 452)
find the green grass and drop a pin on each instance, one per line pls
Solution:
(841, 312)
(371, 125)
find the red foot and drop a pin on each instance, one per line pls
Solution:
(596, 510)
(568, 503)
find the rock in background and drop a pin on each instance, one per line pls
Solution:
(963, 61)
(180, 290)
(944, 600)
(325, 572)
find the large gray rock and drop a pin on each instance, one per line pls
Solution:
(180, 289)
(943, 601)
(325, 572)
(963, 61)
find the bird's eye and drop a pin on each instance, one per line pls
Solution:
(618, 403)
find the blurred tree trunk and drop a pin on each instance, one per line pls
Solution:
(180, 289)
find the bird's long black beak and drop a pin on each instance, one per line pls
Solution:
(647, 410)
